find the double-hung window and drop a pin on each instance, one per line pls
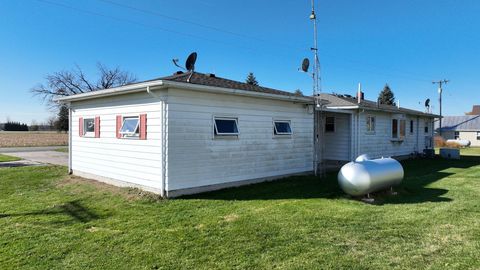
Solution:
(225, 126)
(478, 136)
(89, 127)
(411, 126)
(370, 124)
(398, 129)
(426, 127)
(457, 135)
(130, 126)
(282, 127)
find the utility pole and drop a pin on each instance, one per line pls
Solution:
(440, 90)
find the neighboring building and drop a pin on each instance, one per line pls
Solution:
(173, 136)
(475, 110)
(366, 127)
(466, 127)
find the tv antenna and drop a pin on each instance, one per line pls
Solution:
(440, 90)
(189, 64)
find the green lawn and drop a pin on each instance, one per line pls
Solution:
(62, 149)
(5, 158)
(49, 220)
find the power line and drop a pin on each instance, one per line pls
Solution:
(276, 44)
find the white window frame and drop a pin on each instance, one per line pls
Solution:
(282, 134)
(456, 135)
(130, 134)
(369, 122)
(478, 135)
(426, 128)
(334, 124)
(88, 133)
(218, 134)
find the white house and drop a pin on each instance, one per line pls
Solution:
(355, 126)
(175, 137)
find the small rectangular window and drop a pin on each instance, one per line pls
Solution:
(394, 128)
(457, 135)
(330, 124)
(89, 126)
(478, 136)
(225, 126)
(282, 128)
(411, 126)
(426, 126)
(370, 124)
(130, 127)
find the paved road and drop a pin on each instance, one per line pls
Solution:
(39, 154)
(29, 149)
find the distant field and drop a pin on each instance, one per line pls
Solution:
(32, 138)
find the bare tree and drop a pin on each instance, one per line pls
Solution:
(71, 82)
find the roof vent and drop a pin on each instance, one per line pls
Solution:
(178, 72)
(211, 75)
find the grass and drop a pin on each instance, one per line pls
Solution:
(32, 138)
(5, 158)
(62, 150)
(49, 220)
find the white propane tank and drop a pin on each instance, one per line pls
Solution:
(365, 175)
(460, 142)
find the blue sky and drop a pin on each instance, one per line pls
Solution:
(406, 44)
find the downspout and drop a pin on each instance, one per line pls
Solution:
(70, 169)
(352, 137)
(163, 136)
(358, 134)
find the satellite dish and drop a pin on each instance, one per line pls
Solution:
(190, 63)
(427, 102)
(305, 65)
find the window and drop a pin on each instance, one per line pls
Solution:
(89, 126)
(370, 124)
(225, 126)
(478, 136)
(457, 135)
(411, 126)
(130, 127)
(330, 124)
(426, 126)
(282, 128)
(395, 128)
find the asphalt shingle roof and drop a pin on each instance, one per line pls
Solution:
(460, 123)
(212, 80)
(343, 101)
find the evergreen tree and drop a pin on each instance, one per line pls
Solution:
(251, 79)
(62, 122)
(298, 92)
(386, 96)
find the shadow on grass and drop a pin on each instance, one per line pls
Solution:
(74, 209)
(419, 173)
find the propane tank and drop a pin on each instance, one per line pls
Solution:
(460, 142)
(365, 175)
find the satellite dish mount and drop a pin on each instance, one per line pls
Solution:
(189, 64)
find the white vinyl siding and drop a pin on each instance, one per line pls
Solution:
(195, 160)
(138, 162)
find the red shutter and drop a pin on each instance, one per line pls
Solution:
(97, 126)
(119, 126)
(80, 126)
(143, 127)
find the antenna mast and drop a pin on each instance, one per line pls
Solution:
(440, 90)
(316, 62)
(319, 142)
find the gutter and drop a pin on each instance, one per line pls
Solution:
(127, 89)
(159, 84)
